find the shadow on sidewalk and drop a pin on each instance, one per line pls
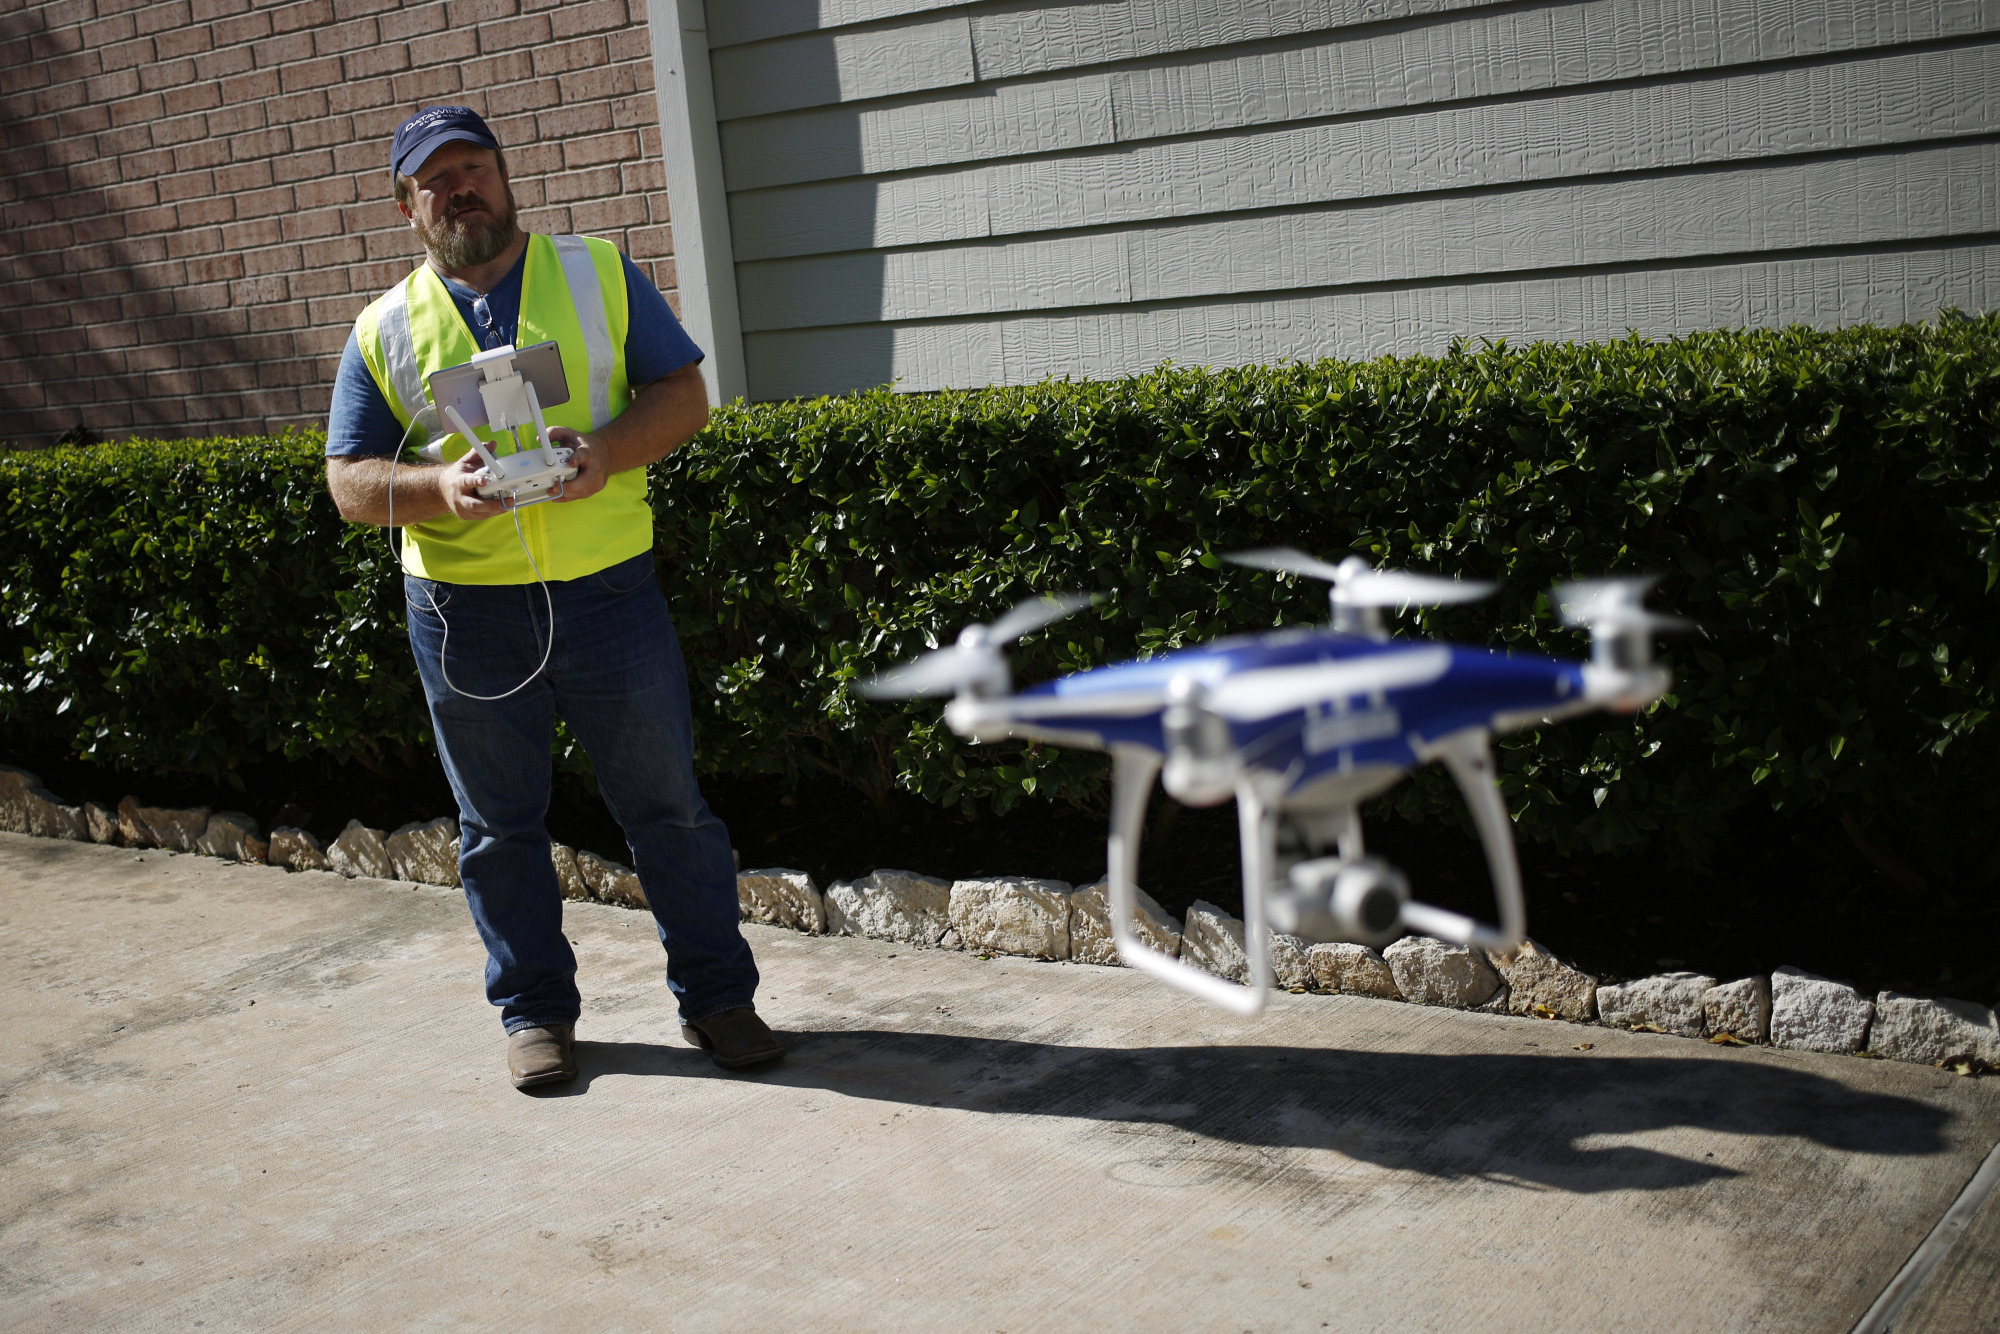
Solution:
(1522, 1117)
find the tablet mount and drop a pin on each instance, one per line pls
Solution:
(508, 401)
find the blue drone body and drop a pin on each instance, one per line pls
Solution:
(1299, 727)
(1370, 715)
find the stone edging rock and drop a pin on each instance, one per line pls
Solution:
(1051, 919)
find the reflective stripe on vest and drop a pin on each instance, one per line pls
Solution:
(589, 298)
(572, 292)
(399, 354)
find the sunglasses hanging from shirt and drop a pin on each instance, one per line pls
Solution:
(491, 336)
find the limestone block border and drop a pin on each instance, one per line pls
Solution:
(1047, 919)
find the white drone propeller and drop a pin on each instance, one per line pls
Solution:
(1621, 636)
(974, 665)
(1614, 605)
(1359, 592)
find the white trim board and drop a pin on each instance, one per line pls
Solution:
(696, 200)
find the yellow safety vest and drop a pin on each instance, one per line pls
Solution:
(572, 291)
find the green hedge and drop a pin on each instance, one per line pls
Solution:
(192, 606)
(1824, 504)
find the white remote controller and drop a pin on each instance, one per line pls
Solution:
(527, 476)
(523, 479)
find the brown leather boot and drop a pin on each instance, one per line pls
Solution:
(541, 1055)
(734, 1038)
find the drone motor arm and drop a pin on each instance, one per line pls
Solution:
(1621, 674)
(1133, 771)
(1469, 757)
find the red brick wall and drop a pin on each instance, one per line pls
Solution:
(194, 195)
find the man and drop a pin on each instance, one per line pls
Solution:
(517, 617)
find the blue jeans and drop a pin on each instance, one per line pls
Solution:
(614, 674)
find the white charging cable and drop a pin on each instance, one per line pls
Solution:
(395, 546)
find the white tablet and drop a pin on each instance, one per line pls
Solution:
(540, 365)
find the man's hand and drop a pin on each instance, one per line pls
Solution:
(662, 416)
(458, 486)
(424, 491)
(592, 471)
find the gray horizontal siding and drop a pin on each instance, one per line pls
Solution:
(1454, 58)
(732, 22)
(1824, 292)
(1011, 120)
(943, 195)
(1018, 41)
(1880, 100)
(1817, 204)
(777, 76)
(1012, 41)
(1120, 28)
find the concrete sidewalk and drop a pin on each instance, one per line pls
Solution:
(237, 1099)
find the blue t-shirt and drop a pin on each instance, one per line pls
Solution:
(360, 421)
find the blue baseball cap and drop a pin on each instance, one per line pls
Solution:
(431, 129)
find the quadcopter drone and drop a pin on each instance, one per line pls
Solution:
(1301, 726)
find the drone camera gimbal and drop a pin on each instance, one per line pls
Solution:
(1335, 898)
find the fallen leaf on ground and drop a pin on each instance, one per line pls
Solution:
(1969, 1066)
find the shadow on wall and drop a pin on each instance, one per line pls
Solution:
(115, 331)
(866, 353)
(782, 362)
(841, 355)
(787, 363)
(1514, 1118)
(99, 340)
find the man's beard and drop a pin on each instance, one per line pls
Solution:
(466, 243)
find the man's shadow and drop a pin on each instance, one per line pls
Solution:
(1520, 1117)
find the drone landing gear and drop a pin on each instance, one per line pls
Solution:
(1348, 896)
(1133, 770)
(1469, 758)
